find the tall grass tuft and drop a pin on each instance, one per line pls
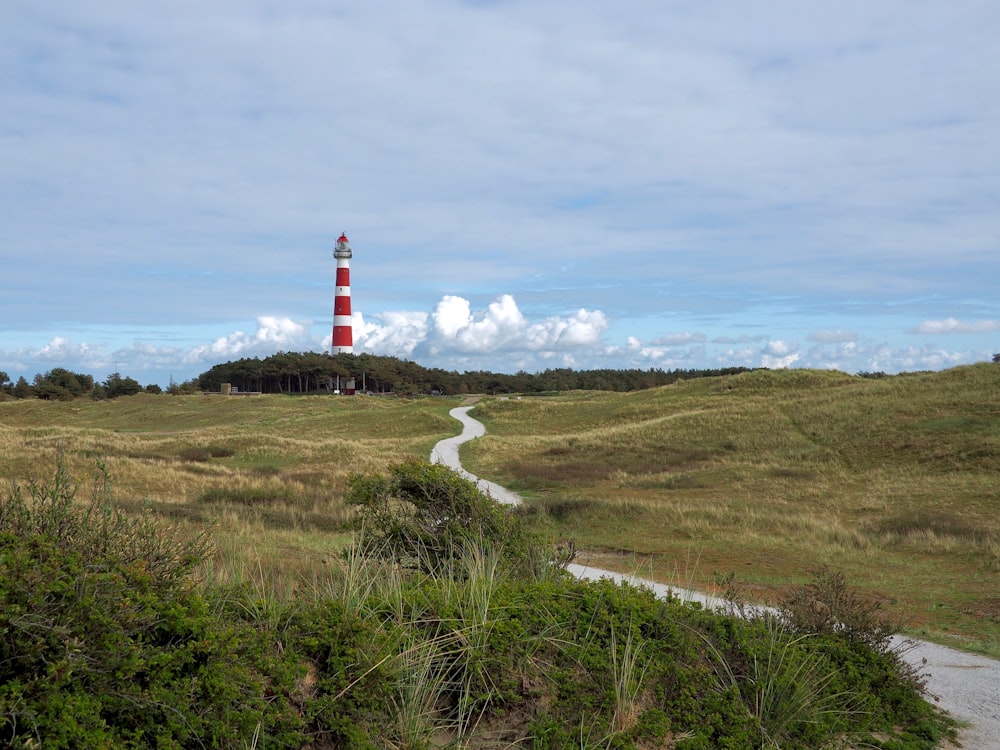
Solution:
(628, 668)
(785, 686)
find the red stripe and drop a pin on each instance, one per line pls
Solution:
(341, 305)
(342, 336)
(343, 277)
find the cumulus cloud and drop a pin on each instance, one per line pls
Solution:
(951, 325)
(912, 358)
(455, 327)
(56, 353)
(581, 329)
(779, 355)
(61, 349)
(396, 334)
(272, 334)
(502, 326)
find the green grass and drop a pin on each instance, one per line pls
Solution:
(771, 474)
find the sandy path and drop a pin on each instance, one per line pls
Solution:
(965, 685)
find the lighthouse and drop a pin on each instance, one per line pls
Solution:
(343, 338)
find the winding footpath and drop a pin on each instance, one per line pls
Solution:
(966, 685)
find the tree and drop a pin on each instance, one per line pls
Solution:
(63, 384)
(22, 389)
(117, 386)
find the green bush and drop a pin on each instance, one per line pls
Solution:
(425, 515)
(105, 641)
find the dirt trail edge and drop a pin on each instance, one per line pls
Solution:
(966, 685)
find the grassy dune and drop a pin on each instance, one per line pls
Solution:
(268, 472)
(760, 478)
(765, 476)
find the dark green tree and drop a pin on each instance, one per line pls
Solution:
(117, 386)
(22, 389)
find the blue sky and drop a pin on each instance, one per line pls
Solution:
(525, 184)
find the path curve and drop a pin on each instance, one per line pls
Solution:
(966, 685)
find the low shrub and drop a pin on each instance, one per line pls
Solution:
(105, 641)
(248, 496)
(425, 515)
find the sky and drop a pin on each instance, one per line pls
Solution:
(525, 184)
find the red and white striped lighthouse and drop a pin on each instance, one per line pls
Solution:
(343, 338)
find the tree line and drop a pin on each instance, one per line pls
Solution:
(60, 384)
(312, 372)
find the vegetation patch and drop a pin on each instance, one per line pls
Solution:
(926, 523)
(205, 452)
(962, 424)
(446, 623)
(249, 496)
(789, 469)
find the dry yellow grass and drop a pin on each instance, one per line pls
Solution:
(267, 473)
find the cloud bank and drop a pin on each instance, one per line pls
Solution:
(501, 337)
(951, 325)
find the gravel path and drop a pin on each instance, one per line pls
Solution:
(966, 685)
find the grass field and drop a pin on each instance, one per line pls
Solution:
(268, 473)
(756, 479)
(763, 477)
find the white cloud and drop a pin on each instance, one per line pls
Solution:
(779, 355)
(915, 358)
(273, 334)
(451, 315)
(838, 336)
(396, 334)
(951, 325)
(581, 329)
(502, 327)
(58, 352)
(61, 349)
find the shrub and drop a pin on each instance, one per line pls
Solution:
(106, 642)
(95, 529)
(828, 605)
(425, 516)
